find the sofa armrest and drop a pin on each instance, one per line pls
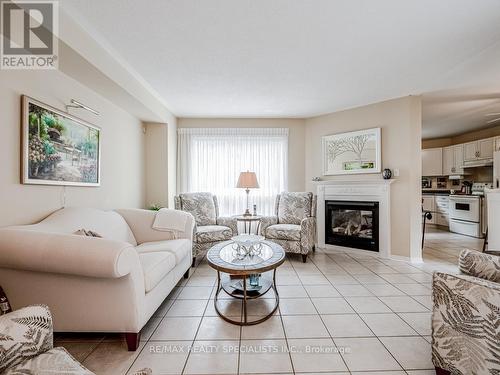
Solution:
(65, 253)
(228, 222)
(267, 221)
(307, 233)
(141, 223)
(465, 323)
(24, 334)
(480, 265)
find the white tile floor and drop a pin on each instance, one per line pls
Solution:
(341, 312)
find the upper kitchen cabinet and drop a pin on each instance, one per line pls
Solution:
(453, 160)
(497, 144)
(432, 162)
(478, 150)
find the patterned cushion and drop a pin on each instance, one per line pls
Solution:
(465, 324)
(290, 232)
(480, 265)
(24, 334)
(144, 371)
(56, 361)
(201, 206)
(293, 207)
(212, 233)
(290, 246)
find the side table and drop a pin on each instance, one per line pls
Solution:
(247, 222)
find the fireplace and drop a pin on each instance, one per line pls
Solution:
(352, 224)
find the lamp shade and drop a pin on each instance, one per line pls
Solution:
(247, 180)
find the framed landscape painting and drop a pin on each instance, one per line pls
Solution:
(352, 153)
(58, 149)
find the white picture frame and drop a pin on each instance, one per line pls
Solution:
(356, 152)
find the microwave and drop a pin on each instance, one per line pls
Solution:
(426, 183)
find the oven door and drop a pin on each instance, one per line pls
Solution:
(465, 208)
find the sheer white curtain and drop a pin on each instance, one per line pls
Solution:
(212, 159)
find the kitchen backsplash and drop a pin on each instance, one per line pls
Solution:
(480, 174)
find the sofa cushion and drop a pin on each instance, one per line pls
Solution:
(293, 207)
(155, 267)
(201, 206)
(212, 233)
(180, 248)
(24, 333)
(289, 232)
(109, 224)
(480, 265)
(54, 361)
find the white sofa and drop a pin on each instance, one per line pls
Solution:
(109, 284)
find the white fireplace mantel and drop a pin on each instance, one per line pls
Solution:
(361, 190)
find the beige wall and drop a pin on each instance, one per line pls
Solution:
(462, 138)
(296, 145)
(161, 166)
(122, 158)
(400, 120)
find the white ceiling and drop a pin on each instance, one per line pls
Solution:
(295, 58)
(452, 112)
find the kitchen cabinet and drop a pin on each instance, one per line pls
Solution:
(448, 160)
(442, 210)
(428, 202)
(453, 160)
(497, 144)
(438, 205)
(442, 219)
(478, 150)
(486, 147)
(432, 162)
(470, 151)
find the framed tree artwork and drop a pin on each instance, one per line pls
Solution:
(58, 149)
(352, 153)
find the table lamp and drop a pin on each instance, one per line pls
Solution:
(247, 181)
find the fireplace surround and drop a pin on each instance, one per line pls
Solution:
(352, 224)
(375, 190)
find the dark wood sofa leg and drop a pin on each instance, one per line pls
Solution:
(194, 262)
(304, 258)
(133, 341)
(186, 274)
(440, 371)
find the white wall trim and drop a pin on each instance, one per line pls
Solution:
(407, 259)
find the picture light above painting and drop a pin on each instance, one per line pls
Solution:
(58, 148)
(352, 153)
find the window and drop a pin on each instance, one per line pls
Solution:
(212, 159)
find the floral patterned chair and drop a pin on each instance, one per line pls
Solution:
(26, 345)
(294, 224)
(466, 317)
(210, 228)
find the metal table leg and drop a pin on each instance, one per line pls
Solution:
(245, 317)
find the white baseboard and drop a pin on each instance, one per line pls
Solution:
(407, 259)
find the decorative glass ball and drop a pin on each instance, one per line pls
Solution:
(387, 174)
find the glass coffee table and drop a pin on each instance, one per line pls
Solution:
(241, 283)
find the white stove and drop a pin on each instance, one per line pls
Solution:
(468, 213)
(479, 187)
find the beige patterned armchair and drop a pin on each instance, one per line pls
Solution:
(294, 224)
(466, 317)
(26, 345)
(210, 228)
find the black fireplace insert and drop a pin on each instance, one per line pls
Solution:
(352, 224)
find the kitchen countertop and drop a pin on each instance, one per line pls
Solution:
(436, 191)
